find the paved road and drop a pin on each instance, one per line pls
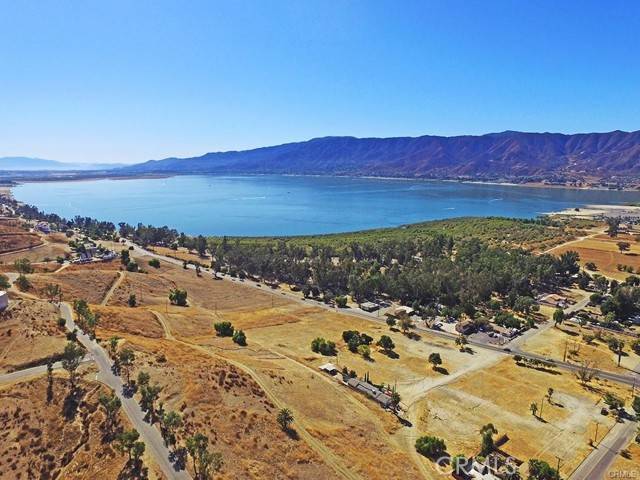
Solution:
(631, 379)
(149, 434)
(34, 371)
(596, 465)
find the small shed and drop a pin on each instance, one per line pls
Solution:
(369, 306)
(330, 368)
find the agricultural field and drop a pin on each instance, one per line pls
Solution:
(493, 230)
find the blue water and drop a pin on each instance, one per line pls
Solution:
(285, 205)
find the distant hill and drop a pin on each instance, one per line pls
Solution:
(39, 164)
(497, 155)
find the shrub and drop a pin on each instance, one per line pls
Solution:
(341, 301)
(224, 329)
(240, 338)
(154, 262)
(322, 346)
(132, 266)
(430, 446)
(178, 297)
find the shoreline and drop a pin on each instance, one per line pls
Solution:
(20, 181)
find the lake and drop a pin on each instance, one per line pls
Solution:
(255, 205)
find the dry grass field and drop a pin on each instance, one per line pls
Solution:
(29, 334)
(227, 405)
(88, 284)
(603, 251)
(38, 441)
(134, 321)
(502, 395)
(554, 341)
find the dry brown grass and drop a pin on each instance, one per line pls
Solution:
(87, 284)
(603, 251)
(224, 403)
(37, 441)
(28, 334)
(134, 321)
(554, 341)
(502, 395)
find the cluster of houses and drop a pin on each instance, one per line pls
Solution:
(90, 253)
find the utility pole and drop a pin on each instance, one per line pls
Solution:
(564, 358)
(596, 436)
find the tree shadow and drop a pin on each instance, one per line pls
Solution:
(441, 370)
(71, 403)
(133, 470)
(391, 354)
(292, 433)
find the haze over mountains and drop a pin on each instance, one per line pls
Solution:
(29, 164)
(506, 154)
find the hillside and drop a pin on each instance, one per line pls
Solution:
(497, 155)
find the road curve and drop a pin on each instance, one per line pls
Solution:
(148, 433)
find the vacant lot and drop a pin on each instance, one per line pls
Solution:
(38, 440)
(502, 395)
(29, 334)
(135, 321)
(90, 285)
(227, 405)
(570, 338)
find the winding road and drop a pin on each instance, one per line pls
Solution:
(154, 442)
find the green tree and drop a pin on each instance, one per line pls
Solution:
(170, 422)
(430, 446)
(71, 357)
(205, 463)
(558, 316)
(111, 404)
(284, 419)
(126, 440)
(534, 408)
(124, 257)
(23, 283)
(461, 341)
(154, 262)
(386, 343)
(125, 360)
(435, 360)
(365, 351)
(132, 302)
(23, 266)
(4, 282)
(541, 470)
(239, 337)
(178, 297)
(487, 432)
(224, 329)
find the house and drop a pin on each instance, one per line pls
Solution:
(400, 312)
(465, 327)
(43, 227)
(369, 306)
(4, 301)
(371, 391)
(329, 368)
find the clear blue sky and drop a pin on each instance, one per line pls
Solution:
(134, 80)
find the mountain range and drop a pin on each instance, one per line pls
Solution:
(507, 154)
(28, 164)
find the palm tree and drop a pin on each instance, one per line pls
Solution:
(285, 419)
